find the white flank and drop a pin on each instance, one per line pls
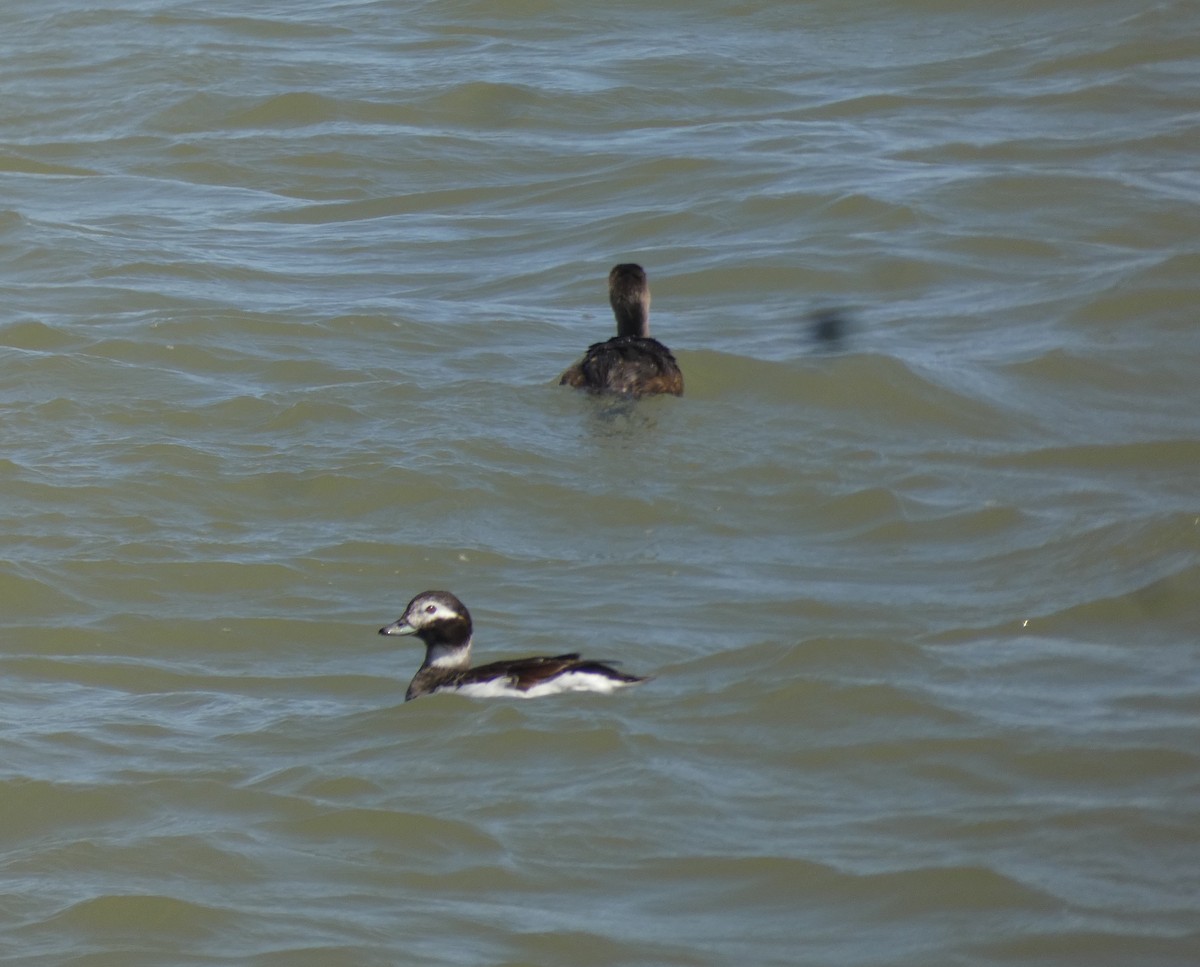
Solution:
(569, 682)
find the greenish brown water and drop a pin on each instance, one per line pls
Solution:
(286, 289)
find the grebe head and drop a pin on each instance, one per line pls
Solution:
(629, 296)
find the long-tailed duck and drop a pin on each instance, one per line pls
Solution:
(631, 363)
(443, 624)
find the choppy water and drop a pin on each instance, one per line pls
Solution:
(285, 289)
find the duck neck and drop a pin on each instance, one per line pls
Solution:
(448, 655)
(629, 296)
(632, 319)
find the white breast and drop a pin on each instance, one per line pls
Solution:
(567, 682)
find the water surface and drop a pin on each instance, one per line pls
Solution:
(286, 291)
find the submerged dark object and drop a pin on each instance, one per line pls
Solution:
(830, 327)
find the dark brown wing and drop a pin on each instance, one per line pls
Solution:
(629, 365)
(574, 377)
(524, 673)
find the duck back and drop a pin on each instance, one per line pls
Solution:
(626, 365)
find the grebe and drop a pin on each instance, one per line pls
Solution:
(631, 363)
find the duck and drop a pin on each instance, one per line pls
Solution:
(631, 363)
(443, 624)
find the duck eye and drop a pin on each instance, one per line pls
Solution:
(430, 608)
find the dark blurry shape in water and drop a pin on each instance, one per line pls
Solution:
(631, 363)
(829, 328)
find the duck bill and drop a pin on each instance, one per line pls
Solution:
(398, 627)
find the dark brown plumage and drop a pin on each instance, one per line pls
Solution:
(631, 363)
